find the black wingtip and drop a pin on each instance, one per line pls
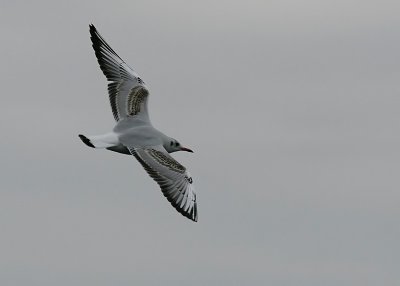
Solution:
(92, 28)
(86, 140)
(93, 33)
(105, 54)
(195, 216)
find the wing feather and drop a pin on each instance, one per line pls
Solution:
(123, 80)
(175, 182)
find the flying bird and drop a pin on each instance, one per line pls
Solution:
(134, 134)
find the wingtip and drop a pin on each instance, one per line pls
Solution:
(92, 29)
(192, 215)
(195, 216)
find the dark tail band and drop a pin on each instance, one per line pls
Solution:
(86, 140)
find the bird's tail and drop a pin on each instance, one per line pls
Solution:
(100, 141)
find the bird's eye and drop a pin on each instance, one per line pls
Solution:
(171, 143)
(176, 144)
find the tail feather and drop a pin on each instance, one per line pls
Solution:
(100, 141)
(86, 140)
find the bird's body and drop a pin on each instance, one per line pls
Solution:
(134, 134)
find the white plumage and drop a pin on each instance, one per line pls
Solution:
(134, 134)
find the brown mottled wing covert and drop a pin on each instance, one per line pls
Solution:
(136, 98)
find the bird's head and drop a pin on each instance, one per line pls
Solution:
(172, 145)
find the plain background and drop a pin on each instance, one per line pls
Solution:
(292, 108)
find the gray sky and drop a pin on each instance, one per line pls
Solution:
(292, 108)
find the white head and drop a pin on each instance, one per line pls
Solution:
(172, 145)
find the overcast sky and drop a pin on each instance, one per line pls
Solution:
(291, 107)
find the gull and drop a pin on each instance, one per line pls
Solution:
(134, 134)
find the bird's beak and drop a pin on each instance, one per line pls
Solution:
(186, 149)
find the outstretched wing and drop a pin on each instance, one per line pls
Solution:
(127, 91)
(173, 178)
